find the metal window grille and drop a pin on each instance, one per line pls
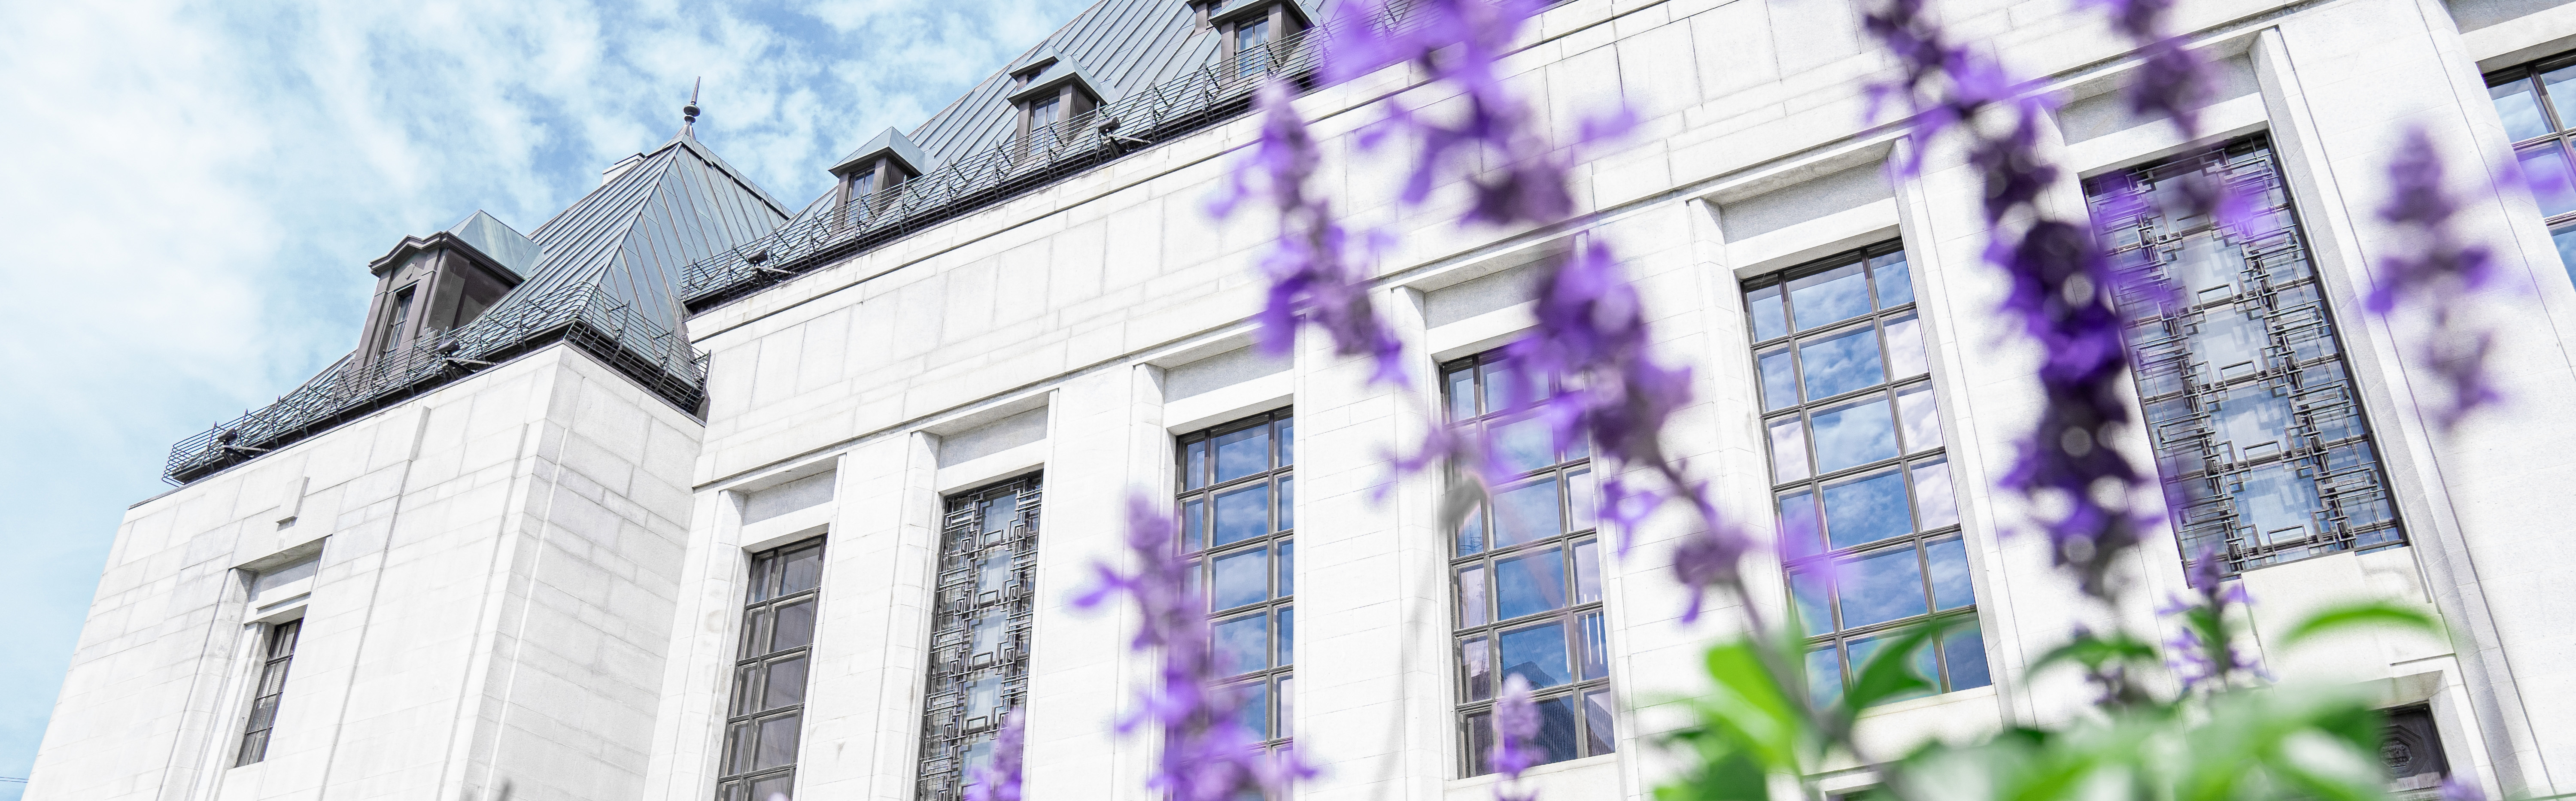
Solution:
(1859, 470)
(1237, 497)
(2542, 126)
(2257, 428)
(1526, 579)
(765, 722)
(272, 686)
(979, 640)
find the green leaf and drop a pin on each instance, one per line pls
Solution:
(1754, 706)
(2360, 615)
(1890, 672)
(2093, 651)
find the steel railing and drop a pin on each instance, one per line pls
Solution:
(1215, 92)
(605, 327)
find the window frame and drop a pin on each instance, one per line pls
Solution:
(749, 675)
(1472, 715)
(2561, 136)
(259, 730)
(1814, 480)
(943, 765)
(1202, 551)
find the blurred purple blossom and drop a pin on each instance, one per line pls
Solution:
(2439, 276)
(1515, 724)
(2060, 288)
(1207, 752)
(1315, 267)
(2201, 652)
(2175, 82)
(999, 779)
(2462, 788)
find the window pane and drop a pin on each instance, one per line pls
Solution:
(786, 684)
(1471, 597)
(746, 689)
(1480, 668)
(773, 788)
(1863, 650)
(1243, 644)
(2520, 109)
(1905, 357)
(1241, 578)
(1949, 561)
(1882, 586)
(1582, 501)
(1841, 363)
(1932, 494)
(1920, 417)
(1528, 585)
(1526, 513)
(1287, 441)
(1193, 525)
(1242, 453)
(2562, 96)
(1831, 296)
(1855, 433)
(1587, 571)
(1462, 393)
(987, 633)
(804, 570)
(983, 696)
(1812, 598)
(1769, 321)
(1536, 654)
(1592, 656)
(740, 746)
(1502, 384)
(1895, 279)
(1194, 469)
(1524, 445)
(1287, 706)
(1798, 524)
(777, 741)
(1287, 502)
(2565, 239)
(1557, 737)
(1788, 449)
(1964, 651)
(2280, 504)
(1779, 378)
(1287, 568)
(1480, 744)
(1864, 510)
(2253, 420)
(795, 626)
(993, 572)
(1824, 677)
(1287, 649)
(2546, 167)
(1252, 705)
(1600, 727)
(1471, 532)
(1242, 514)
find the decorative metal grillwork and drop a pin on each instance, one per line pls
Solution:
(590, 319)
(2258, 431)
(1215, 92)
(979, 630)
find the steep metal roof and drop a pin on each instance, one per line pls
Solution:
(1125, 44)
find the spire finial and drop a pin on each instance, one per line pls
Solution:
(689, 113)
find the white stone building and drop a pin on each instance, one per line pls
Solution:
(524, 544)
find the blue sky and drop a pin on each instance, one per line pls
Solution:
(191, 191)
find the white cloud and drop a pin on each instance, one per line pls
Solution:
(191, 191)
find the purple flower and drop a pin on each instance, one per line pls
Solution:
(2442, 271)
(1207, 753)
(2175, 82)
(2462, 788)
(999, 780)
(1314, 266)
(2060, 289)
(1516, 723)
(2201, 651)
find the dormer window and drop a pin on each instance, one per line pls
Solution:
(1051, 90)
(428, 286)
(1247, 27)
(876, 168)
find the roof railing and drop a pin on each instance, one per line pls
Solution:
(584, 316)
(1214, 92)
